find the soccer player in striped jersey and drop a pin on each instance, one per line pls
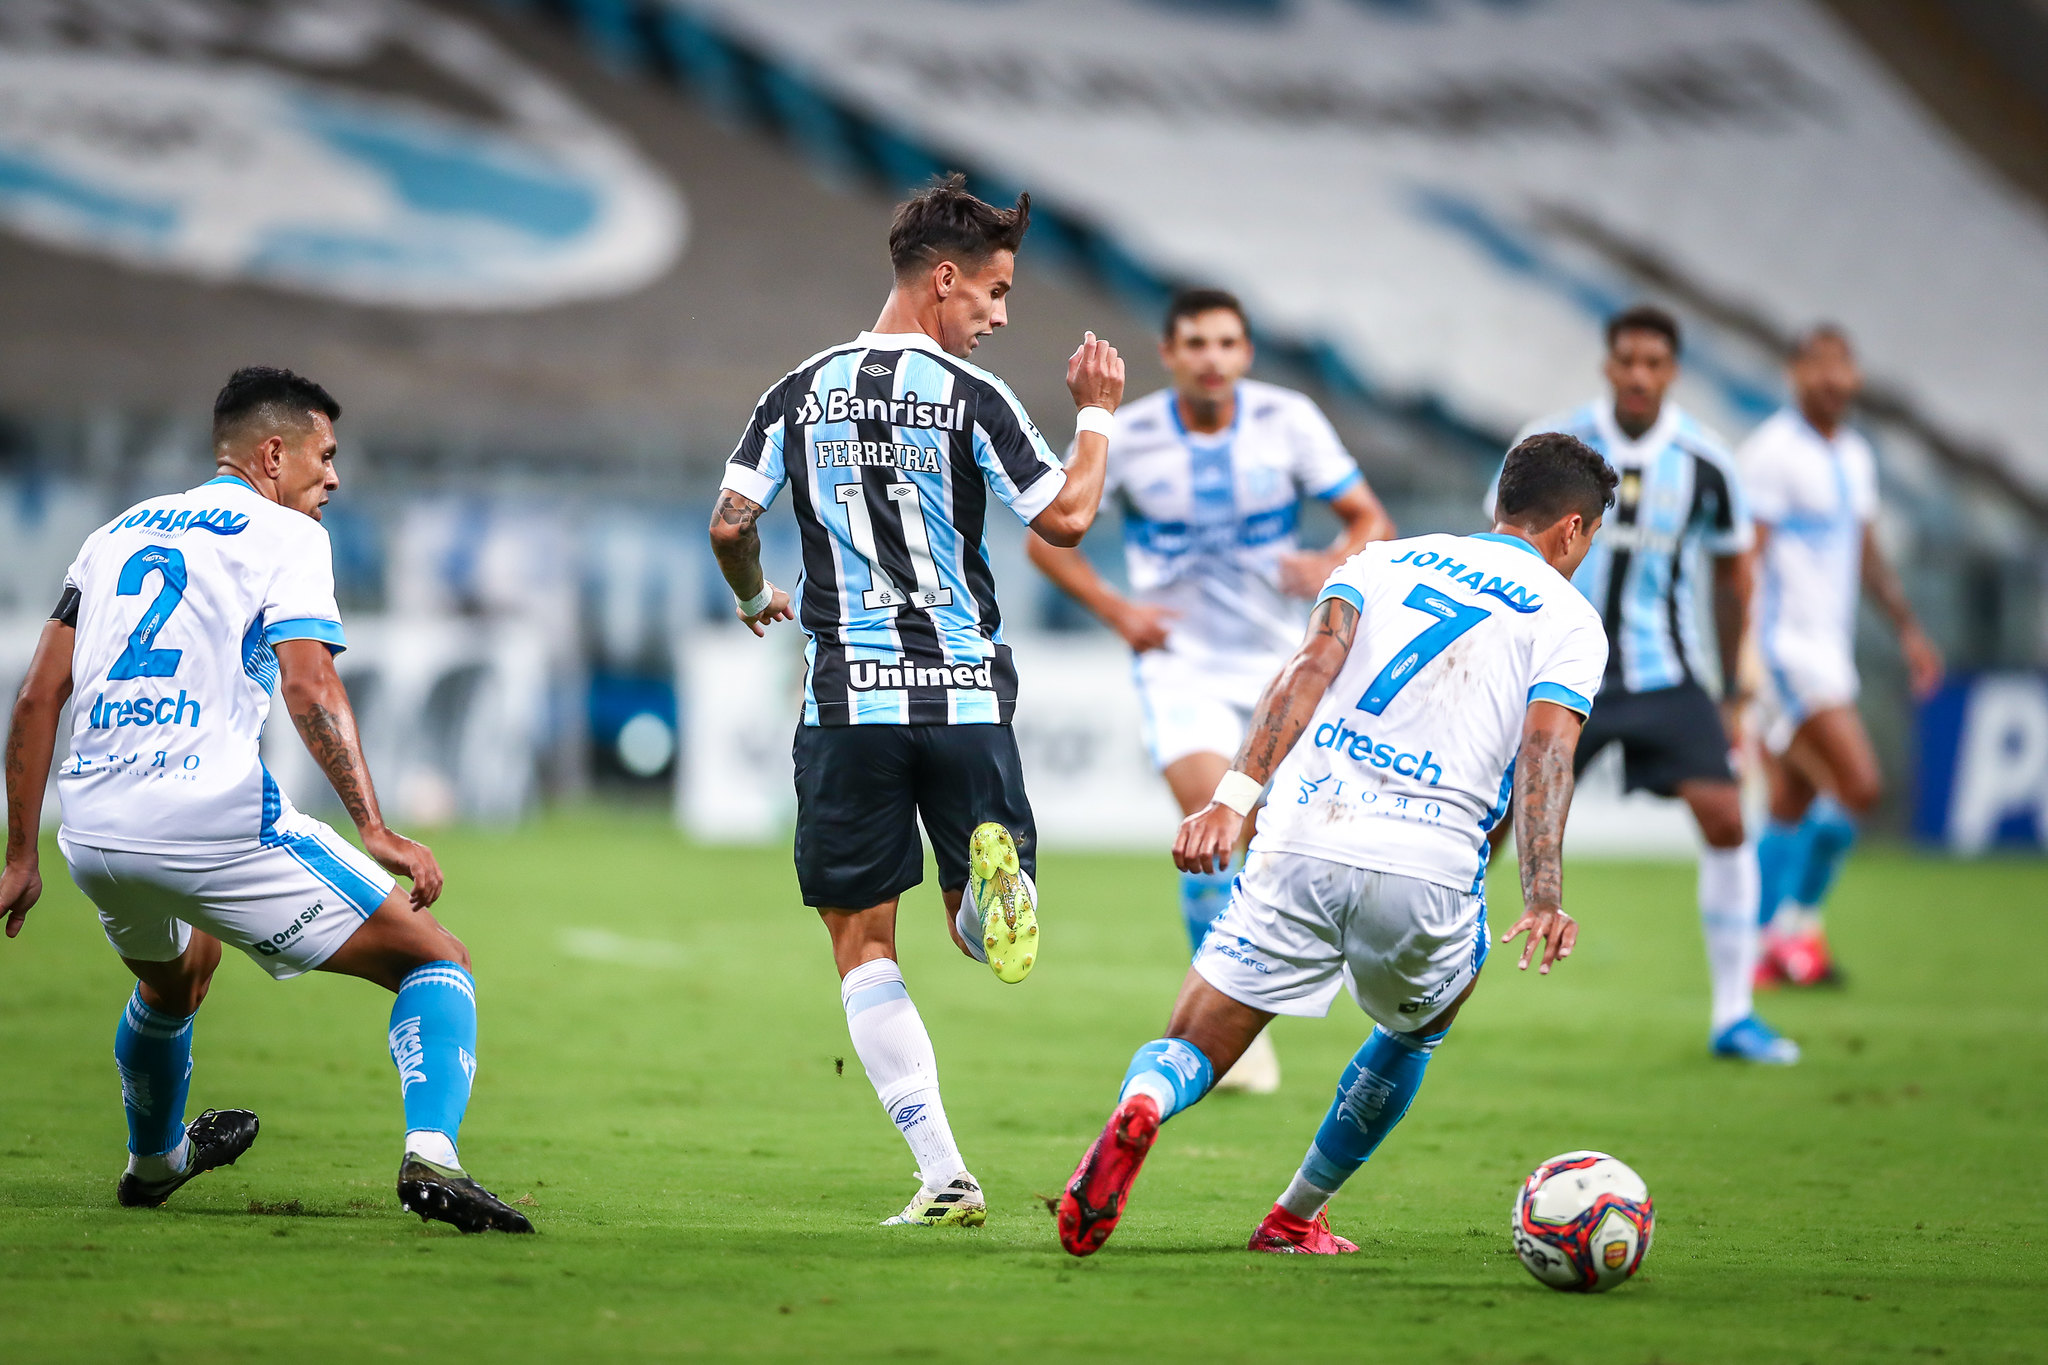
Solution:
(176, 621)
(1813, 479)
(1680, 509)
(1211, 472)
(890, 446)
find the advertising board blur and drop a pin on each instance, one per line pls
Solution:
(1982, 780)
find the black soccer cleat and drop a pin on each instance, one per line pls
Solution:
(218, 1137)
(446, 1194)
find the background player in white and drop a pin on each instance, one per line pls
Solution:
(1440, 676)
(1211, 472)
(1812, 483)
(1680, 530)
(890, 446)
(177, 619)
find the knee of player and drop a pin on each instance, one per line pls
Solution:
(1860, 792)
(455, 950)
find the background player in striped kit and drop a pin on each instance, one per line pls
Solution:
(890, 445)
(1813, 483)
(1211, 472)
(1680, 506)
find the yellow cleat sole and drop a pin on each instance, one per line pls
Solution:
(1009, 921)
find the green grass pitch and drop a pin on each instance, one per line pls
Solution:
(660, 1074)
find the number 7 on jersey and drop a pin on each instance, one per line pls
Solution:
(1453, 620)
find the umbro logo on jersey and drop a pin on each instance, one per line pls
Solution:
(842, 405)
(876, 370)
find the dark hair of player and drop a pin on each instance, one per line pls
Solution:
(1814, 335)
(1551, 475)
(1188, 303)
(278, 397)
(943, 222)
(1644, 317)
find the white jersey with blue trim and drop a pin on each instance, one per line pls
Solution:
(1815, 495)
(1679, 500)
(1207, 517)
(178, 602)
(1410, 757)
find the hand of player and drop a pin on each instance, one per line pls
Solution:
(21, 886)
(1924, 665)
(403, 857)
(1095, 374)
(1552, 927)
(1303, 572)
(1207, 839)
(778, 609)
(1735, 722)
(1143, 625)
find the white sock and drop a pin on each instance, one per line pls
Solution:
(165, 1166)
(1728, 896)
(1302, 1199)
(968, 922)
(890, 1040)
(436, 1147)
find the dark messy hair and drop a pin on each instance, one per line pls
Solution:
(1644, 317)
(1188, 303)
(943, 222)
(274, 396)
(1551, 475)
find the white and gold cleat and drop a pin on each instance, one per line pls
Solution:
(1006, 901)
(957, 1204)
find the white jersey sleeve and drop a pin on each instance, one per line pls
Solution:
(1764, 469)
(1569, 671)
(299, 602)
(1323, 468)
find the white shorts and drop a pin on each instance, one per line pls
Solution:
(1800, 678)
(289, 904)
(1405, 947)
(1193, 708)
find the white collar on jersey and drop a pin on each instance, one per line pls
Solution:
(898, 341)
(1620, 449)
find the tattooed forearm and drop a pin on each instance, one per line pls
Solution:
(1543, 797)
(331, 739)
(32, 737)
(1290, 700)
(736, 541)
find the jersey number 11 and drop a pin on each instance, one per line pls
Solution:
(886, 592)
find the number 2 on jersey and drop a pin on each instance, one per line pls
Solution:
(139, 660)
(886, 592)
(1453, 620)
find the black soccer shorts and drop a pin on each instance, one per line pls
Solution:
(1668, 736)
(860, 790)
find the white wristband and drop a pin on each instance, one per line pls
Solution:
(1239, 791)
(754, 605)
(1098, 420)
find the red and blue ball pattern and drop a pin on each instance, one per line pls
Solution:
(1583, 1222)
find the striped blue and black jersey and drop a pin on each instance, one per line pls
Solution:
(889, 447)
(1680, 500)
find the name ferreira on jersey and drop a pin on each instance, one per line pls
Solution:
(218, 520)
(843, 405)
(1512, 593)
(864, 675)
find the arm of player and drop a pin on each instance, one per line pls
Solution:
(1142, 625)
(1365, 519)
(318, 704)
(1289, 702)
(31, 743)
(736, 542)
(1734, 585)
(1543, 798)
(1923, 661)
(1095, 377)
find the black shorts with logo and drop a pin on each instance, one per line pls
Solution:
(861, 789)
(1668, 736)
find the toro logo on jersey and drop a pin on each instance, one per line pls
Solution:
(1335, 734)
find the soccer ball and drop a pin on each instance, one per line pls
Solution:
(1583, 1222)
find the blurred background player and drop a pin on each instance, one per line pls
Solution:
(1440, 676)
(1680, 502)
(173, 826)
(1812, 483)
(1211, 472)
(889, 445)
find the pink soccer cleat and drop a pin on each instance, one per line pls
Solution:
(1285, 1234)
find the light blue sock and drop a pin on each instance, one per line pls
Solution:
(1780, 854)
(1376, 1090)
(1172, 1071)
(154, 1052)
(1204, 896)
(1830, 833)
(433, 1044)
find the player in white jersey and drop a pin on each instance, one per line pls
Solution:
(1210, 473)
(176, 621)
(1442, 676)
(1813, 491)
